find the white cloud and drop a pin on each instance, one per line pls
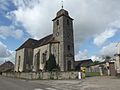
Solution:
(92, 17)
(4, 4)
(35, 15)
(4, 52)
(109, 50)
(6, 31)
(96, 58)
(10, 58)
(110, 31)
(103, 37)
(81, 55)
(17, 34)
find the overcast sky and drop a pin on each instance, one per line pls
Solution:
(96, 25)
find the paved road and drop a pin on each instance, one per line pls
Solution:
(18, 84)
(92, 83)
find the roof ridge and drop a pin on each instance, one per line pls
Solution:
(32, 43)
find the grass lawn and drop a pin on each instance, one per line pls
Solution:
(91, 74)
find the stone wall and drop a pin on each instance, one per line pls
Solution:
(63, 32)
(28, 55)
(38, 62)
(19, 62)
(44, 75)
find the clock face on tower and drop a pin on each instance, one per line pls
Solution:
(57, 34)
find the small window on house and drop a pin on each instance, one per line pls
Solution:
(19, 60)
(19, 57)
(44, 58)
(68, 47)
(68, 22)
(57, 22)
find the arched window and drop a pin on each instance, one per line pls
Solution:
(43, 58)
(68, 47)
(57, 22)
(19, 58)
(68, 22)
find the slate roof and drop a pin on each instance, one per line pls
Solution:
(83, 62)
(45, 40)
(62, 12)
(32, 43)
(100, 63)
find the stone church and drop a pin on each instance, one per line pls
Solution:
(33, 54)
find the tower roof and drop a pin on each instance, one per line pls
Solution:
(62, 12)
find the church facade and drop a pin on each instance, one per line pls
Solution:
(33, 55)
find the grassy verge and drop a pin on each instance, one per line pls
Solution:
(91, 74)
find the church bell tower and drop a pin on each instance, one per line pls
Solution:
(63, 33)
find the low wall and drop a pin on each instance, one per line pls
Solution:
(43, 75)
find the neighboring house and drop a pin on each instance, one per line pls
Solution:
(7, 67)
(99, 67)
(82, 63)
(34, 54)
(104, 68)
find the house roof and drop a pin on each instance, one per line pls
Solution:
(100, 63)
(83, 62)
(7, 66)
(45, 40)
(32, 43)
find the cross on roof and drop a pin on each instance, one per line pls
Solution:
(62, 4)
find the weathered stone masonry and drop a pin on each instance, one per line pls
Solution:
(33, 54)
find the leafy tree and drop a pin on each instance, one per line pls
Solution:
(107, 58)
(96, 62)
(51, 63)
